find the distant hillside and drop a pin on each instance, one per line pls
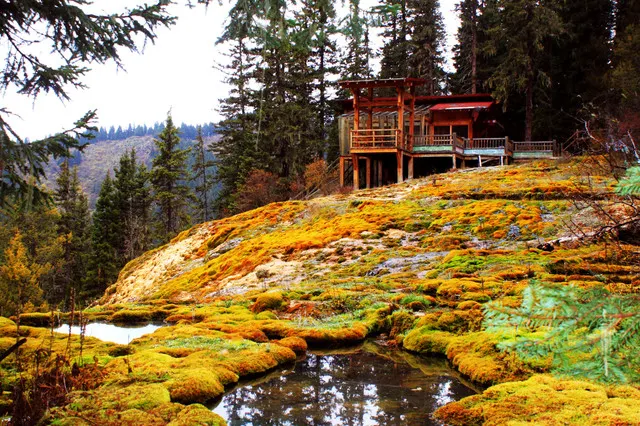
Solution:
(101, 157)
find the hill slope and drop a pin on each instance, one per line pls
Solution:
(101, 157)
(413, 228)
(412, 264)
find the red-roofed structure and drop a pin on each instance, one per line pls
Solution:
(386, 139)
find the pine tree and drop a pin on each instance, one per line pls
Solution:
(396, 50)
(203, 176)
(236, 153)
(579, 60)
(624, 76)
(356, 61)
(106, 230)
(466, 51)
(525, 27)
(75, 225)
(320, 17)
(133, 202)
(427, 40)
(414, 38)
(168, 176)
(19, 279)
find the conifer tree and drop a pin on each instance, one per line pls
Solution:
(579, 60)
(168, 180)
(624, 76)
(525, 27)
(427, 40)
(396, 50)
(104, 264)
(236, 153)
(74, 224)
(133, 202)
(356, 61)
(320, 17)
(466, 51)
(203, 176)
(414, 37)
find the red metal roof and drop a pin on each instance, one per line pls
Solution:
(461, 105)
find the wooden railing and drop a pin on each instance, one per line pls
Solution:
(433, 140)
(486, 143)
(375, 138)
(534, 146)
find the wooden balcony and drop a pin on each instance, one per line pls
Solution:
(378, 140)
(390, 140)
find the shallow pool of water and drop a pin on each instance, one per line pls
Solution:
(122, 334)
(369, 385)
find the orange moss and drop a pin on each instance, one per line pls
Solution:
(296, 344)
(544, 400)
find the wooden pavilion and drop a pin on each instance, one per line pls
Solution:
(387, 139)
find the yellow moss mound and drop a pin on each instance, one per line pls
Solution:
(296, 344)
(197, 415)
(546, 400)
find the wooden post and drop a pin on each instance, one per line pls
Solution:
(400, 91)
(412, 118)
(479, 160)
(356, 109)
(455, 163)
(370, 109)
(341, 172)
(380, 173)
(410, 169)
(464, 163)
(400, 160)
(502, 160)
(356, 172)
(368, 171)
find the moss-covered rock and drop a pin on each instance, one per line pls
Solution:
(197, 415)
(546, 400)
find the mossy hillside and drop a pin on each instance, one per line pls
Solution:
(413, 261)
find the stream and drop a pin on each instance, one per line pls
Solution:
(111, 333)
(367, 385)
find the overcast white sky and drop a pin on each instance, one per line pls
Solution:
(176, 73)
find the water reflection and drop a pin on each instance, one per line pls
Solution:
(358, 388)
(111, 333)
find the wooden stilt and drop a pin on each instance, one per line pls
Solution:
(356, 172)
(341, 172)
(410, 170)
(502, 160)
(380, 173)
(455, 163)
(400, 161)
(479, 160)
(368, 171)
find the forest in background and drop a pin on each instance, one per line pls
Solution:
(555, 66)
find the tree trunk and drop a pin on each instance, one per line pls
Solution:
(474, 49)
(528, 119)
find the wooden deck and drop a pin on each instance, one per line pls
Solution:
(391, 140)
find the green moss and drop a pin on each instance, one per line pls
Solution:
(268, 300)
(427, 341)
(6, 322)
(543, 400)
(197, 415)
